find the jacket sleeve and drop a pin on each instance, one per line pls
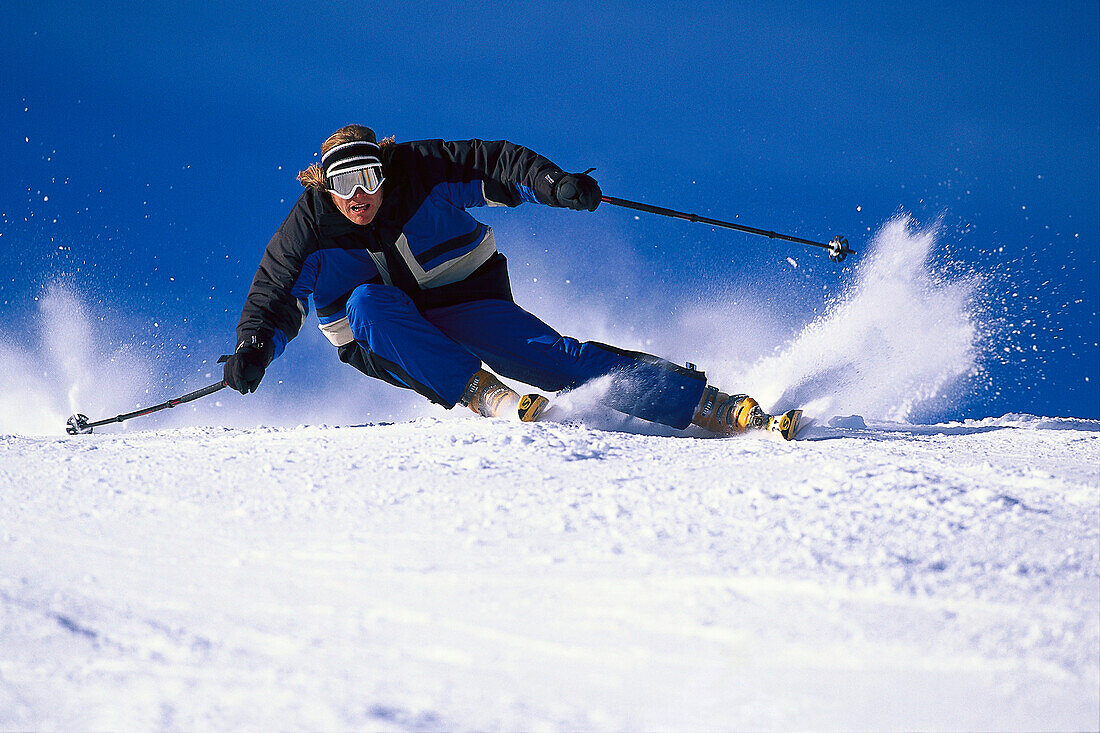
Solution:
(485, 173)
(277, 302)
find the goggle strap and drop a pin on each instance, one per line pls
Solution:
(351, 164)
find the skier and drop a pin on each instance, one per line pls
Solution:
(411, 289)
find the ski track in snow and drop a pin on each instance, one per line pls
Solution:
(474, 574)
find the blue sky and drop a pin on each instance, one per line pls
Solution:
(151, 149)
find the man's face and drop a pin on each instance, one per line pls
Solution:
(360, 208)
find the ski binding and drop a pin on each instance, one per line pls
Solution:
(785, 424)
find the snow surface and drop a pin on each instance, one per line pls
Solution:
(482, 574)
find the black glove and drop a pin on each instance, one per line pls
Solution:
(576, 191)
(245, 369)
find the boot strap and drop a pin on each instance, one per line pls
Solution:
(710, 394)
(471, 390)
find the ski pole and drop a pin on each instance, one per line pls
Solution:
(78, 424)
(838, 246)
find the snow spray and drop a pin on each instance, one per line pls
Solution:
(897, 344)
(75, 361)
(900, 336)
(68, 368)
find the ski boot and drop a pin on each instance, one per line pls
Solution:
(487, 396)
(726, 414)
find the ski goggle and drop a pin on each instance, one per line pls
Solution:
(343, 184)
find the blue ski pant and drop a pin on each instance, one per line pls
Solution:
(435, 352)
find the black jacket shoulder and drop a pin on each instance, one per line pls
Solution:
(507, 170)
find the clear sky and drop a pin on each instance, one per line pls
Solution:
(150, 151)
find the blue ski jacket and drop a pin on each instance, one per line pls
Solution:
(422, 239)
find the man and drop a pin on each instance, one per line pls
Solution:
(411, 289)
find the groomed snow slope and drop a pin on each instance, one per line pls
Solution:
(472, 574)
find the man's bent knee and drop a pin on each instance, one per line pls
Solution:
(370, 303)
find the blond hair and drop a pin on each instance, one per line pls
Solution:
(314, 176)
